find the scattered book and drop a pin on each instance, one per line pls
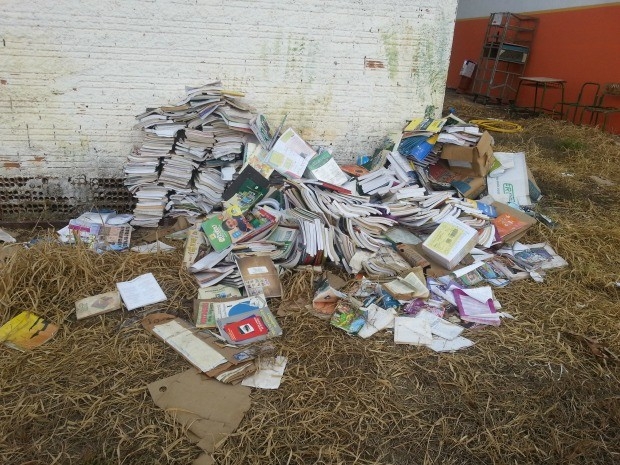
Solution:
(410, 287)
(97, 305)
(290, 155)
(27, 331)
(245, 191)
(260, 276)
(348, 316)
(208, 311)
(324, 168)
(232, 226)
(141, 291)
(249, 327)
(218, 292)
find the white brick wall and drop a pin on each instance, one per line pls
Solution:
(73, 73)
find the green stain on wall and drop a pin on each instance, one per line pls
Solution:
(391, 52)
(429, 56)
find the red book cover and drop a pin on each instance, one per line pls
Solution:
(333, 187)
(245, 329)
(354, 170)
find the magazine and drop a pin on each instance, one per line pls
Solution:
(232, 225)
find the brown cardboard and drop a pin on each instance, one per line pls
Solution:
(234, 356)
(434, 270)
(470, 187)
(208, 409)
(480, 158)
(516, 235)
(179, 225)
(260, 275)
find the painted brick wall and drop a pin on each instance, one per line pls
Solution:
(73, 73)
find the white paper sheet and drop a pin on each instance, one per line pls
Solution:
(269, 374)
(210, 260)
(439, 326)
(412, 331)
(377, 318)
(153, 247)
(6, 237)
(195, 350)
(439, 344)
(141, 291)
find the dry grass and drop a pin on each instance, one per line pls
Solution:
(527, 392)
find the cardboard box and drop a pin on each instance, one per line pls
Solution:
(471, 161)
(521, 216)
(511, 185)
(470, 187)
(450, 242)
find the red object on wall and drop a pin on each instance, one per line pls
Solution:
(578, 45)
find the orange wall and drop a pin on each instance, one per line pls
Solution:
(577, 45)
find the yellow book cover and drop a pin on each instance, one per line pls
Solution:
(445, 239)
(27, 331)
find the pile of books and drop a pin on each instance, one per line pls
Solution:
(184, 149)
(255, 191)
(262, 200)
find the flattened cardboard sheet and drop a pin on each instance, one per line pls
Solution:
(210, 410)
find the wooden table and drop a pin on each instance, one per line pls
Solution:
(543, 83)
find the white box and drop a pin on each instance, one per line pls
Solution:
(450, 242)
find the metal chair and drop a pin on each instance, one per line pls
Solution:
(588, 95)
(602, 107)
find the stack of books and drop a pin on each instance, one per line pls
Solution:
(185, 146)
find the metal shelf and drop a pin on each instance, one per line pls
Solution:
(505, 52)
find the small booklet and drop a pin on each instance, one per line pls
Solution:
(348, 316)
(219, 291)
(324, 168)
(290, 155)
(245, 191)
(248, 327)
(507, 224)
(208, 311)
(97, 304)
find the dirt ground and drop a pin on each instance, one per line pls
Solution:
(542, 388)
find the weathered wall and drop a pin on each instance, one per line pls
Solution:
(73, 73)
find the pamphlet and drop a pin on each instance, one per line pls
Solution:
(290, 155)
